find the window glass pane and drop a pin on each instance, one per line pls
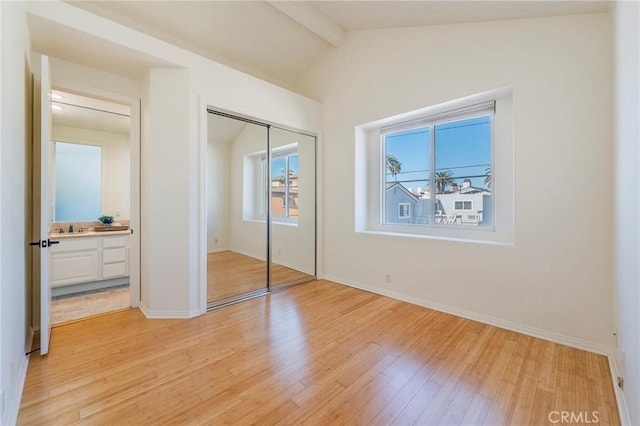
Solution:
(463, 171)
(78, 182)
(403, 210)
(407, 168)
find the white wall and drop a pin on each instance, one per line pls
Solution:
(79, 78)
(248, 236)
(165, 194)
(556, 280)
(174, 236)
(218, 196)
(627, 216)
(13, 104)
(116, 177)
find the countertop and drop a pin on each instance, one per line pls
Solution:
(88, 234)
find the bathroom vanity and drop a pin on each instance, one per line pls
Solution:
(89, 261)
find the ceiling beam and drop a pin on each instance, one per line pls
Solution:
(307, 15)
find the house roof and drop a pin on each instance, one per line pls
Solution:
(399, 185)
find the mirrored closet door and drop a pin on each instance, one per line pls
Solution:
(236, 228)
(293, 207)
(261, 208)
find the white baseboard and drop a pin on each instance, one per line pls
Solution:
(508, 325)
(623, 409)
(12, 409)
(29, 342)
(217, 249)
(293, 266)
(485, 319)
(260, 257)
(156, 314)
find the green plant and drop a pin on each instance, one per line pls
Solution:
(105, 220)
(393, 165)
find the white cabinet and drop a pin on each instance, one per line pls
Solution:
(74, 261)
(115, 257)
(87, 258)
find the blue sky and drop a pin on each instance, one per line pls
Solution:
(278, 164)
(464, 147)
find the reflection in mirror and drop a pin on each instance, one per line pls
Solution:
(91, 158)
(236, 225)
(293, 207)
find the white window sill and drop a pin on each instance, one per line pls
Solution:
(454, 235)
(294, 224)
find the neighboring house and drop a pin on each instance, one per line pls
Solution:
(400, 204)
(278, 191)
(470, 205)
(462, 205)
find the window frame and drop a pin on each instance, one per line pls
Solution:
(369, 158)
(408, 206)
(285, 152)
(483, 109)
(463, 201)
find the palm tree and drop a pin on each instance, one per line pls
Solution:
(393, 165)
(444, 179)
(487, 177)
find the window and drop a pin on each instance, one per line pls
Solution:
(444, 162)
(404, 210)
(463, 205)
(78, 181)
(284, 185)
(451, 162)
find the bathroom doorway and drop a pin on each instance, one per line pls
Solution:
(94, 205)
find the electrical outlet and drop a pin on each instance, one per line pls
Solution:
(215, 240)
(388, 279)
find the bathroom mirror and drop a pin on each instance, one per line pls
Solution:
(91, 158)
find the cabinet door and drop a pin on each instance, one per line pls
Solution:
(73, 268)
(114, 255)
(113, 270)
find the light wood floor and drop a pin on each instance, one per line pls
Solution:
(232, 274)
(316, 353)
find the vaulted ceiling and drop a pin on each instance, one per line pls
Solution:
(278, 41)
